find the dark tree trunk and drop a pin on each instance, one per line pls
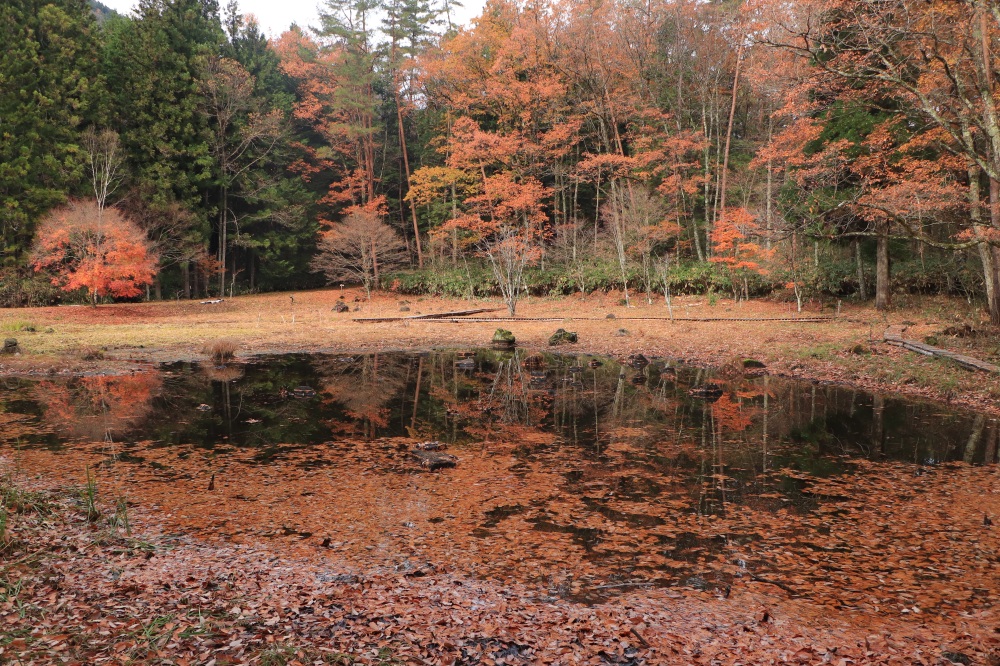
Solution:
(862, 287)
(994, 302)
(186, 276)
(882, 287)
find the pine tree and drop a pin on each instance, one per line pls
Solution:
(154, 64)
(274, 235)
(49, 81)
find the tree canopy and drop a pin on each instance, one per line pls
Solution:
(758, 144)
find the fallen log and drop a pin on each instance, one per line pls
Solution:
(894, 336)
(433, 315)
(432, 460)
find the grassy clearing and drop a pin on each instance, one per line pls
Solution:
(18, 326)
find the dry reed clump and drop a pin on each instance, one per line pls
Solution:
(221, 351)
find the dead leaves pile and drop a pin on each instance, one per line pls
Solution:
(78, 593)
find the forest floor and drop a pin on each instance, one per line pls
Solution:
(162, 577)
(848, 349)
(107, 581)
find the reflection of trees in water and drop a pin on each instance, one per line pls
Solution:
(606, 478)
(99, 408)
(364, 387)
(506, 399)
(224, 376)
(754, 428)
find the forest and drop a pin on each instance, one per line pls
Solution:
(802, 149)
(604, 332)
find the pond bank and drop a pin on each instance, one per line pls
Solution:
(848, 350)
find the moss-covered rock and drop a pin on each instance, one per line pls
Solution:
(562, 337)
(503, 339)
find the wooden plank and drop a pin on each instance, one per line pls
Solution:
(433, 315)
(894, 336)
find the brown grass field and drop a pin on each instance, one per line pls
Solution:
(847, 349)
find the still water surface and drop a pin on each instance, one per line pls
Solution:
(584, 475)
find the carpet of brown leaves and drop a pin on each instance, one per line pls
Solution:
(900, 571)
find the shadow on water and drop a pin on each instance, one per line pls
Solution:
(629, 453)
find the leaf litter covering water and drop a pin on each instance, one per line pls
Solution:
(581, 477)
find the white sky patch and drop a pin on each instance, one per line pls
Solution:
(276, 17)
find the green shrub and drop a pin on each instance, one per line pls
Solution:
(22, 288)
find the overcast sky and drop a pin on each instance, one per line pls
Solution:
(274, 16)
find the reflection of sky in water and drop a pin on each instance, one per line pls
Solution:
(614, 473)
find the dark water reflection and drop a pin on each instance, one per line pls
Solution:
(291, 401)
(630, 446)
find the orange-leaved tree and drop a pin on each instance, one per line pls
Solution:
(100, 251)
(735, 245)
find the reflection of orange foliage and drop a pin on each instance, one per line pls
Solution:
(732, 416)
(363, 388)
(484, 516)
(99, 406)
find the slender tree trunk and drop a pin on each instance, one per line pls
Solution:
(406, 168)
(862, 287)
(994, 251)
(882, 296)
(987, 253)
(186, 278)
(729, 133)
(597, 211)
(707, 155)
(223, 240)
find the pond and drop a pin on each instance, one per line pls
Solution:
(581, 476)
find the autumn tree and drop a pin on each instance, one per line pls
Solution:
(360, 249)
(737, 247)
(101, 252)
(503, 211)
(937, 58)
(637, 222)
